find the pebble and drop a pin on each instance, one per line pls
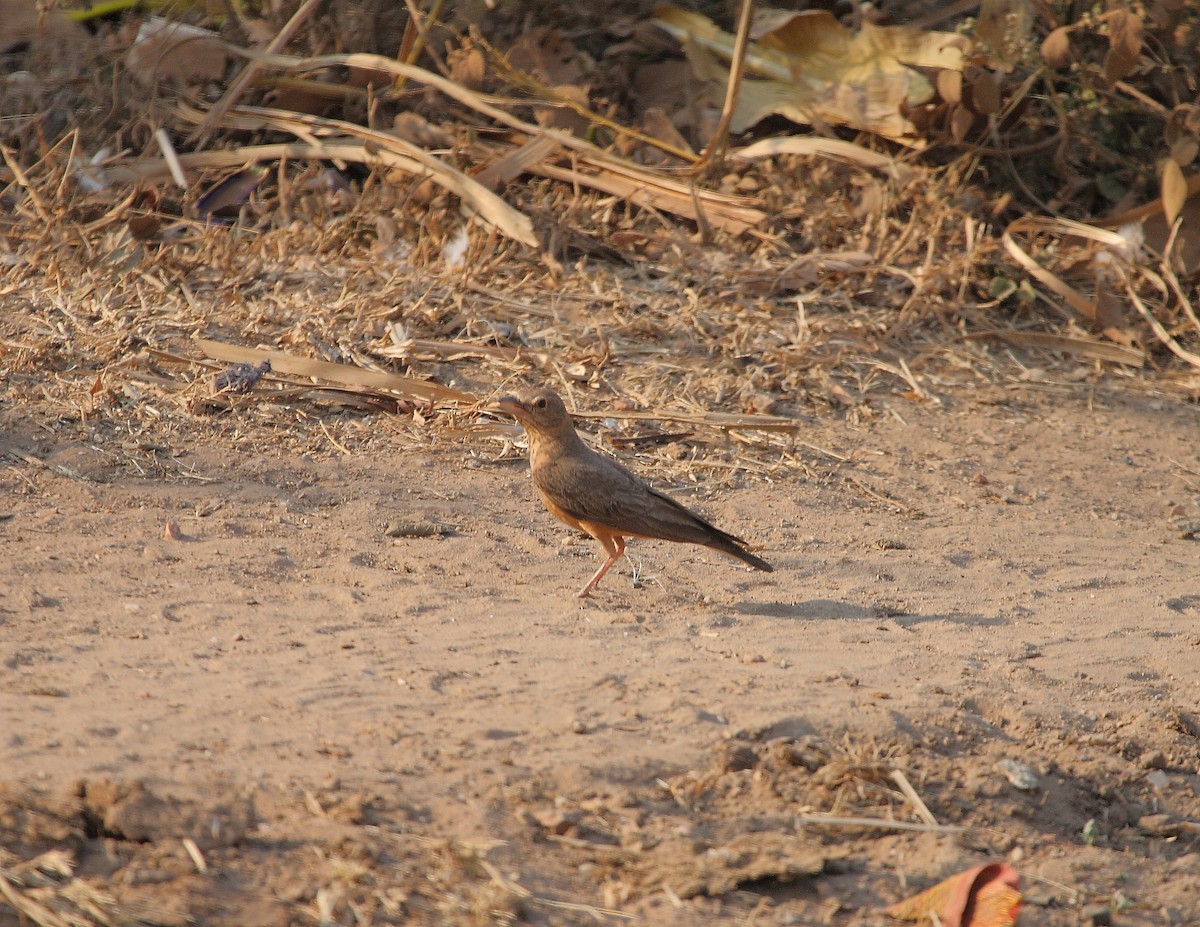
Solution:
(1153, 759)
(1021, 776)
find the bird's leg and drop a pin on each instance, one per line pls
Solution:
(614, 545)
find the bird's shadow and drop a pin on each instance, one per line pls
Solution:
(830, 610)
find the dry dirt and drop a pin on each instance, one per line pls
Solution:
(362, 728)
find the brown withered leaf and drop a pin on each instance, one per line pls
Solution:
(1184, 150)
(1182, 123)
(31, 24)
(561, 115)
(547, 56)
(177, 52)
(950, 86)
(809, 68)
(414, 128)
(1167, 14)
(1110, 313)
(1002, 31)
(671, 87)
(985, 92)
(144, 226)
(468, 68)
(1174, 190)
(961, 121)
(1056, 48)
(1125, 44)
(656, 123)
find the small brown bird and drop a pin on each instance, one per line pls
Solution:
(599, 496)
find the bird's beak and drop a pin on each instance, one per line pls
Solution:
(509, 405)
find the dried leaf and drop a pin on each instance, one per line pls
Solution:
(422, 391)
(814, 145)
(1184, 150)
(1002, 30)
(1048, 278)
(985, 896)
(468, 67)
(656, 123)
(985, 93)
(37, 25)
(564, 116)
(1056, 48)
(817, 71)
(177, 52)
(950, 86)
(961, 121)
(414, 128)
(144, 227)
(671, 86)
(547, 56)
(1110, 313)
(1185, 254)
(1125, 41)
(1174, 190)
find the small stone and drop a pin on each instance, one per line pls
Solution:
(1187, 528)
(1153, 759)
(1021, 776)
(556, 821)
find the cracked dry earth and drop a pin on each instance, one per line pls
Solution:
(282, 714)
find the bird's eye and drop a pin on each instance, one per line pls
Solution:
(540, 402)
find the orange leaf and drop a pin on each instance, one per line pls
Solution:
(986, 896)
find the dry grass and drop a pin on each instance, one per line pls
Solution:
(734, 305)
(730, 307)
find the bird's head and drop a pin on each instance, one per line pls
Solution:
(538, 410)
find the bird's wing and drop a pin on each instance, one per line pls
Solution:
(594, 489)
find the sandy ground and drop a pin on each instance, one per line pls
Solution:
(373, 729)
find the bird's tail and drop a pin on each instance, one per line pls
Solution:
(731, 546)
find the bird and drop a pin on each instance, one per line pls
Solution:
(599, 496)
